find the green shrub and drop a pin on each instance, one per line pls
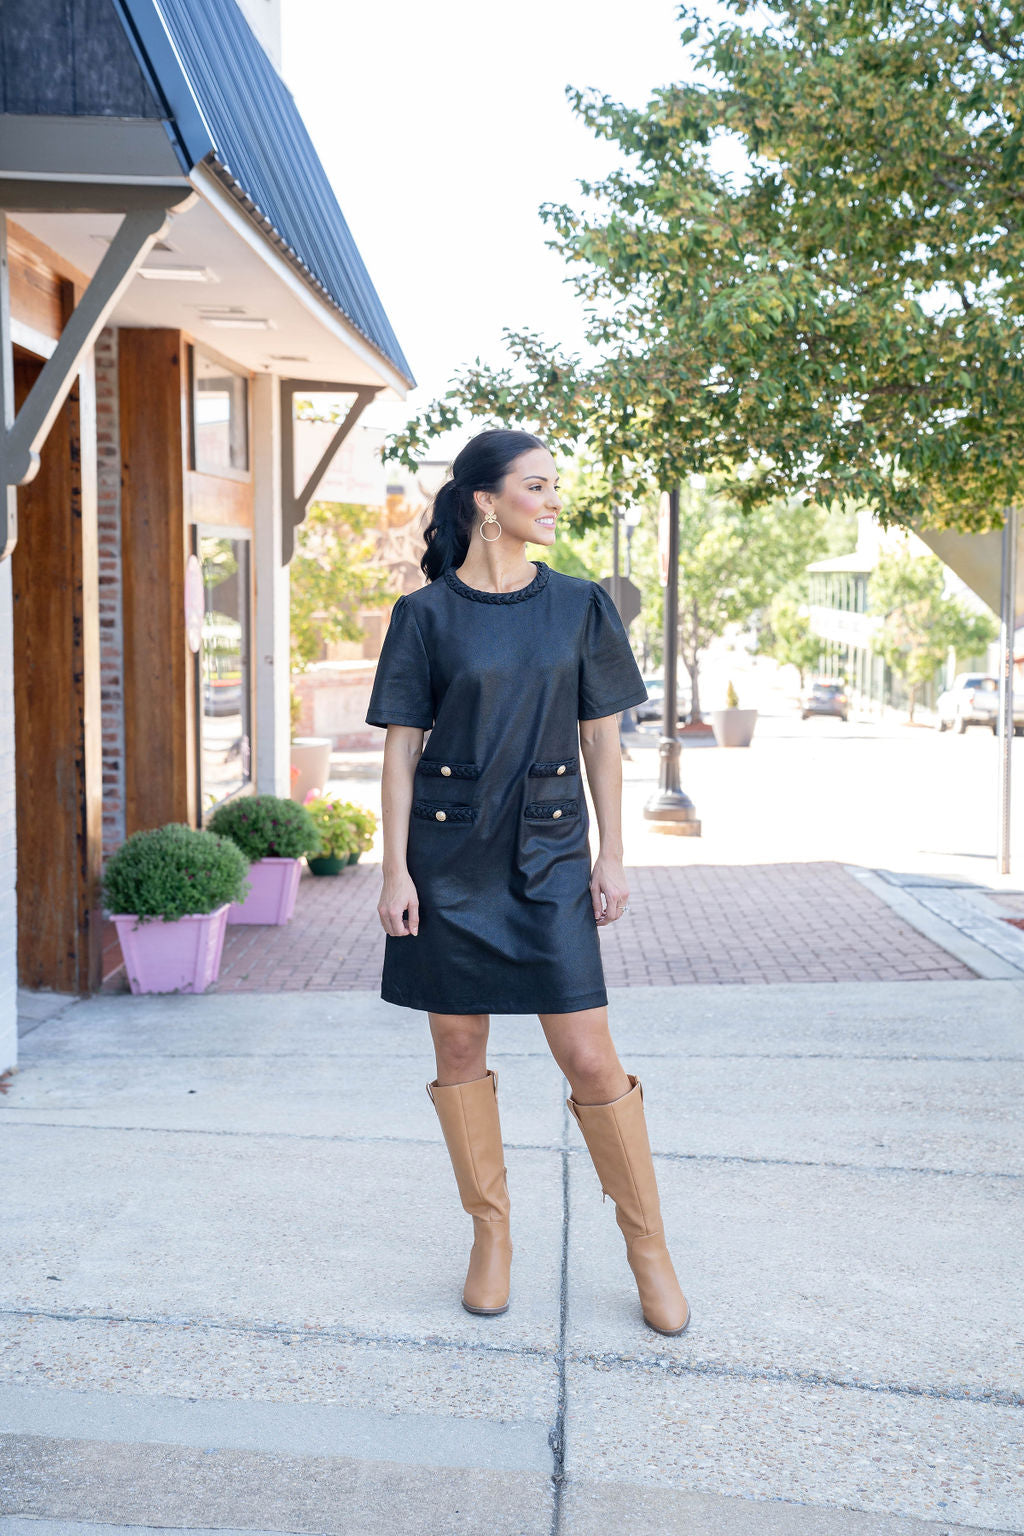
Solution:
(266, 827)
(732, 698)
(172, 871)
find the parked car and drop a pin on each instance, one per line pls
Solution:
(973, 699)
(652, 709)
(826, 697)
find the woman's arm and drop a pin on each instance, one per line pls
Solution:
(403, 745)
(602, 754)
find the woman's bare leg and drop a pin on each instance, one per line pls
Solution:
(460, 1046)
(581, 1044)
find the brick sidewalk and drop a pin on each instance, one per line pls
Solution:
(702, 923)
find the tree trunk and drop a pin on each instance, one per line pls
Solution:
(911, 702)
(693, 668)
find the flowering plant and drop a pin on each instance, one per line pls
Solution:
(343, 827)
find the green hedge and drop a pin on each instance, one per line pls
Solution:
(266, 827)
(172, 871)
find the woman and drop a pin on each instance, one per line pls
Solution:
(489, 902)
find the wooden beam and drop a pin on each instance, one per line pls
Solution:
(23, 432)
(58, 725)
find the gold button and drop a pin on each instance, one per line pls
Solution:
(440, 815)
(555, 815)
(561, 768)
(446, 771)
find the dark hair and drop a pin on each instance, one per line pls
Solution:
(481, 466)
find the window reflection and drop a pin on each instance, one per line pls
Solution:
(224, 669)
(220, 416)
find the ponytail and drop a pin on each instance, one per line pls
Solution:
(481, 466)
(448, 532)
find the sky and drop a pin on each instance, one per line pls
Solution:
(443, 127)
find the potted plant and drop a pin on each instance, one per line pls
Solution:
(273, 833)
(365, 823)
(345, 829)
(733, 727)
(168, 891)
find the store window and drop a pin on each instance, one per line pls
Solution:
(223, 666)
(220, 416)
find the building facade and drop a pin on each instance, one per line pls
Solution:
(838, 601)
(176, 270)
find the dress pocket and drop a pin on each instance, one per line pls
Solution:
(442, 768)
(551, 810)
(447, 812)
(555, 769)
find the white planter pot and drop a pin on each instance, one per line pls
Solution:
(733, 727)
(311, 755)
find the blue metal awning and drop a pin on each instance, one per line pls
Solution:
(227, 107)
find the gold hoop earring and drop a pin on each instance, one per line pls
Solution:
(492, 518)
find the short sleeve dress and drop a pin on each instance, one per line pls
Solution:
(498, 836)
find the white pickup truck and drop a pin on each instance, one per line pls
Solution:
(973, 699)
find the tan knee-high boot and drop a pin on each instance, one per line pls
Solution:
(468, 1113)
(616, 1137)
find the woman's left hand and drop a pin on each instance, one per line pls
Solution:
(608, 880)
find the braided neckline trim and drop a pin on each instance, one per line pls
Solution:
(531, 589)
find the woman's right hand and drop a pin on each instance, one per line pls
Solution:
(398, 897)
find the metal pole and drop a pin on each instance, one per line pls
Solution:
(1007, 632)
(669, 806)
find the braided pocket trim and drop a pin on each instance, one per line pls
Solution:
(437, 810)
(558, 769)
(434, 768)
(551, 810)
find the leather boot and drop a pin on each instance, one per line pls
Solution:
(468, 1113)
(616, 1137)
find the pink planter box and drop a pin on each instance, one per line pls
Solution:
(275, 885)
(179, 956)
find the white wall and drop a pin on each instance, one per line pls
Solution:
(8, 851)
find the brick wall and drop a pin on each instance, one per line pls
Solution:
(108, 439)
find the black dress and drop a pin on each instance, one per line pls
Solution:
(498, 847)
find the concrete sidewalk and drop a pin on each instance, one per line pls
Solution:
(234, 1253)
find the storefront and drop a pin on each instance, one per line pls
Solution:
(177, 270)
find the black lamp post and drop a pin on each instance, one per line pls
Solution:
(668, 807)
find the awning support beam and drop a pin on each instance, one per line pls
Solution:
(147, 212)
(295, 504)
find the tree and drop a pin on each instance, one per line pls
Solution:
(787, 636)
(919, 623)
(731, 562)
(333, 575)
(844, 312)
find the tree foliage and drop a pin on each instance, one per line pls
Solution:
(845, 312)
(334, 573)
(919, 622)
(787, 637)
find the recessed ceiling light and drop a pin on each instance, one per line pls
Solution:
(239, 322)
(177, 274)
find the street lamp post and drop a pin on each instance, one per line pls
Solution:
(669, 808)
(1007, 633)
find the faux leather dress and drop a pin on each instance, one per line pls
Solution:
(498, 836)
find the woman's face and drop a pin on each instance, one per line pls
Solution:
(528, 503)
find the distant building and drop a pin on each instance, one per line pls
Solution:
(838, 612)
